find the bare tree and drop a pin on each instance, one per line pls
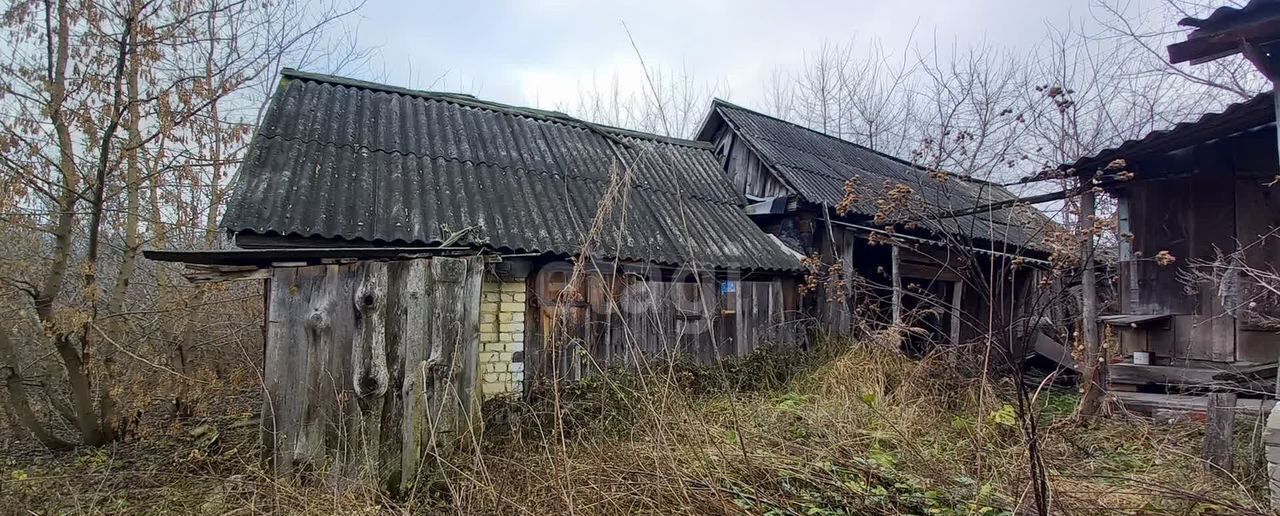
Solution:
(119, 123)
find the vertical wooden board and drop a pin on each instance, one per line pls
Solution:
(742, 319)
(331, 323)
(1213, 228)
(640, 306)
(369, 350)
(779, 330)
(304, 371)
(1157, 228)
(957, 299)
(656, 304)
(836, 312)
(598, 321)
(666, 319)
(1212, 333)
(755, 317)
(1189, 331)
(1257, 346)
(1257, 217)
(369, 378)
(699, 329)
(441, 401)
(1222, 329)
(453, 286)
(281, 410)
(408, 306)
(340, 409)
(469, 339)
(895, 263)
(638, 310)
(1161, 342)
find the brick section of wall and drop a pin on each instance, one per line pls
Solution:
(1271, 439)
(502, 337)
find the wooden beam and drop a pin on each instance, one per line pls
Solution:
(307, 256)
(940, 243)
(1135, 374)
(214, 273)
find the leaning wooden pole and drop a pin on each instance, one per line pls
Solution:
(1095, 379)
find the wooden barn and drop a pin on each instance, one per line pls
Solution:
(423, 250)
(913, 234)
(1197, 206)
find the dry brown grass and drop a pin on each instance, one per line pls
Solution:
(865, 431)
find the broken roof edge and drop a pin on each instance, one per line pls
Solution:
(1227, 16)
(468, 100)
(1234, 119)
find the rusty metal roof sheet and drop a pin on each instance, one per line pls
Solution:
(817, 167)
(336, 158)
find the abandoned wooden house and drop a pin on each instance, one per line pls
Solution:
(832, 198)
(672, 260)
(1198, 193)
(434, 248)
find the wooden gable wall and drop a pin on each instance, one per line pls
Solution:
(749, 174)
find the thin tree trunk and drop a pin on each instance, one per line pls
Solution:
(20, 401)
(81, 390)
(132, 184)
(57, 26)
(67, 197)
(1095, 378)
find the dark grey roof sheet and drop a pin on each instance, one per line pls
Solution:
(1227, 16)
(342, 159)
(817, 167)
(1225, 31)
(1241, 116)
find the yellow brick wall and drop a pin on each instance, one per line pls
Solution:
(502, 337)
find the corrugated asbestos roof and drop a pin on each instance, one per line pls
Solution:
(1241, 116)
(342, 159)
(817, 167)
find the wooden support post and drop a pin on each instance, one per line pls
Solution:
(1095, 378)
(897, 286)
(956, 297)
(1219, 435)
(1275, 99)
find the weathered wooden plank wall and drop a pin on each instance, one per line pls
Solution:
(369, 365)
(632, 322)
(749, 174)
(1213, 198)
(1257, 218)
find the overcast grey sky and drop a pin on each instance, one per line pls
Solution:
(541, 52)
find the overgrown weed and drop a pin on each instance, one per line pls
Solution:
(847, 428)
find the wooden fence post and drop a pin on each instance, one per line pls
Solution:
(1218, 436)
